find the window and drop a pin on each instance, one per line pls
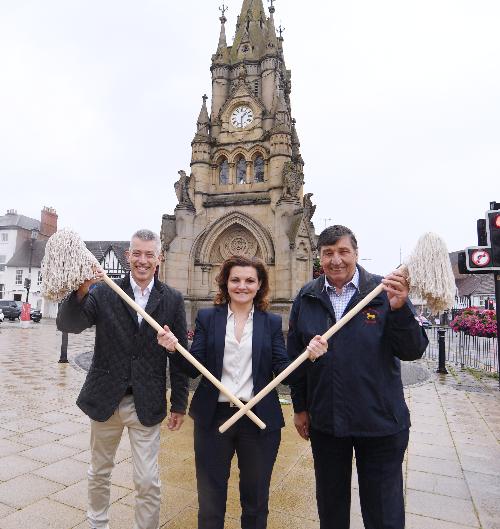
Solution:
(256, 88)
(2, 291)
(5, 237)
(241, 171)
(19, 277)
(39, 278)
(223, 172)
(2, 263)
(258, 169)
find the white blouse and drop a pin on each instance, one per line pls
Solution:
(237, 362)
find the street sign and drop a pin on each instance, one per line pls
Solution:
(479, 258)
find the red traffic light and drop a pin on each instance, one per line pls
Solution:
(496, 221)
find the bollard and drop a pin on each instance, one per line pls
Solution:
(63, 359)
(442, 352)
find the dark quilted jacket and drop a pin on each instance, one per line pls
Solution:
(127, 354)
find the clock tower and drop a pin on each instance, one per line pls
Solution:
(244, 194)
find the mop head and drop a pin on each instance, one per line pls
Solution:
(430, 275)
(67, 263)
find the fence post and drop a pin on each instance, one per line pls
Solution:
(63, 359)
(442, 352)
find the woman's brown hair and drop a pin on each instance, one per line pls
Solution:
(261, 300)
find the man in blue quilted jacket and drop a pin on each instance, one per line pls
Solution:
(351, 399)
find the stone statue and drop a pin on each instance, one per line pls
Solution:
(293, 180)
(182, 190)
(309, 208)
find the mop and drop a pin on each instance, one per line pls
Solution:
(430, 277)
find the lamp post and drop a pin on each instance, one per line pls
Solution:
(34, 237)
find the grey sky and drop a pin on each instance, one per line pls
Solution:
(396, 103)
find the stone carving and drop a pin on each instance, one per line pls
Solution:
(182, 191)
(237, 241)
(293, 180)
(168, 232)
(309, 208)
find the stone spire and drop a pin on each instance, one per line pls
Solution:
(296, 156)
(221, 56)
(282, 121)
(249, 41)
(272, 41)
(202, 124)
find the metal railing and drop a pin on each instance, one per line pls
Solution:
(463, 350)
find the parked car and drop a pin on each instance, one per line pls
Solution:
(35, 315)
(424, 321)
(10, 309)
(1, 316)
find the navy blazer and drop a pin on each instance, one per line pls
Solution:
(269, 358)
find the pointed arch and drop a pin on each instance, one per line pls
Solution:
(204, 244)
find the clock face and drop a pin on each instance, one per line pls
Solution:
(241, 117)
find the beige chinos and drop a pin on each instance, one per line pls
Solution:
(145, 445)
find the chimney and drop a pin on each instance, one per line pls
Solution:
(11, 212)
(48, 221)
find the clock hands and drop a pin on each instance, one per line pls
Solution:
(242, 117)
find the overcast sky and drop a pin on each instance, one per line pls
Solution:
(397, 106)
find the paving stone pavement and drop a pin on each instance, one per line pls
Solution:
(452, 467)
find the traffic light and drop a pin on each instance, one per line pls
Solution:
(485, 258)
(493, 228)
(27, 283)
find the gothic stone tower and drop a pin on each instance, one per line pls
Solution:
(245, 191)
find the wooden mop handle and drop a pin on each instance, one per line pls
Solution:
(186, 354)
(296, 363)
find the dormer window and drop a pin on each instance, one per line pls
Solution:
(223, 172)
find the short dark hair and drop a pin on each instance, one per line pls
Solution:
(261, 300)
(331, 235)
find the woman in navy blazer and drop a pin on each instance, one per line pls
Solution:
(243, 346)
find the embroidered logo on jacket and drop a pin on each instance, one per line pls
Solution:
(370, 316)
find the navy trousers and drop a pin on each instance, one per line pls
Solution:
(256, 451)
(380, 477)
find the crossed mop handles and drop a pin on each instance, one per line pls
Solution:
(67, 263)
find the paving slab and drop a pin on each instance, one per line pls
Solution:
(436, 484)
(44, 514)
(16, 465)
(50, 453)
(8, 447)
(440, 507)
(24, 490)
(414, 521)
(65, 471)
(485, 492)
(76, 495)
(5, 510)
(35, 438)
